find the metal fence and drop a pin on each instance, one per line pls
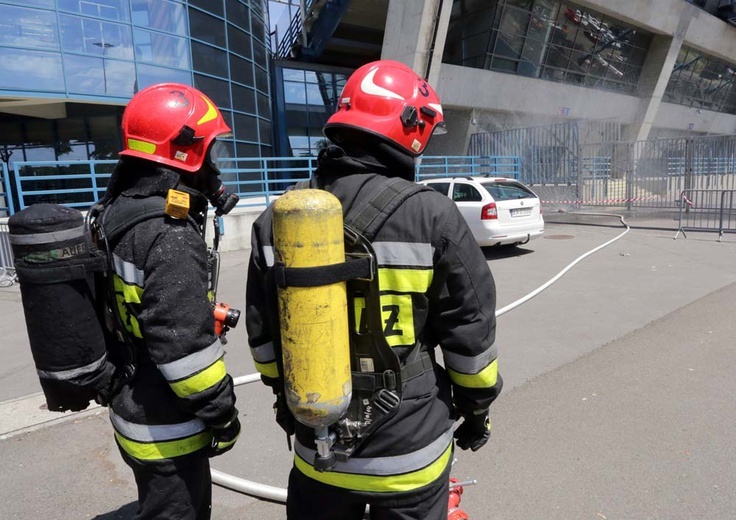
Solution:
(548, 154)
(7, 270)
(707, 210)
(653, 174)
(6, 202)
(257, 180)
(452, 166)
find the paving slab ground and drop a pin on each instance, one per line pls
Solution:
(617, 402)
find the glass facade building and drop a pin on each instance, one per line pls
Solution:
(547, 39)
(93, 55)
(702, 81)
(305, 99)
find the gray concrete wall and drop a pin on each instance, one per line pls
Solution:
(462, 87)
(508, 101)
(680, 117)
(498, 101)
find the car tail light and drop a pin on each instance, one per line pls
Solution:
(489, 212)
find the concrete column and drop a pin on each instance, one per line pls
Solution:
(655, 76)
(415, 34)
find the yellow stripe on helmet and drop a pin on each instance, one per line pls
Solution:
(210, 114)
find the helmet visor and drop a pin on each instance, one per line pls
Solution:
(439, 129)
(219, 151)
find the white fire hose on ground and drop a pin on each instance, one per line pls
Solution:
(277, 494)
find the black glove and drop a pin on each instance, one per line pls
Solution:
(284, 417)
(474, 432)
(224, 437)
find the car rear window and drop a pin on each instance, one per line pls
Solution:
(506, 190)
(442, 187)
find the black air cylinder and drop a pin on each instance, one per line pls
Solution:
(56, 270)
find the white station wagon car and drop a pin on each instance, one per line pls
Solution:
(499, 211)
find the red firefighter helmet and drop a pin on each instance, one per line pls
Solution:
(388, 99)
(171, 124)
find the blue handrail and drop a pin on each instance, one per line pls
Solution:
(257, 180)
(8, 208)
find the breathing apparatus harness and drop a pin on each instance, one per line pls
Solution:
(107, 228)
(378, 375)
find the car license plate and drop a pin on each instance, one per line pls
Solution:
(521, 212)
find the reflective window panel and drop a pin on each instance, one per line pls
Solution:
(99, 76)
(150, 75)
(161, 49)
(96, 37)
(22, 27)
(310, 98)
(207, 28)
(547, 39)
(161, 15)
(702, 81)
(118, 10)
(211, 6)
(30, 70)
(209, 60)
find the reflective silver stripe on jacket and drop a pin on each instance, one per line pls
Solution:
(470, 364)
(72, 373)
(47, 238)
(127, 271)
(386, 466)
(404, 253)
(156, 432)
(263, 353)
(192, 363)
(387, 253)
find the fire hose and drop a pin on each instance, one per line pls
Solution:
(277, 494)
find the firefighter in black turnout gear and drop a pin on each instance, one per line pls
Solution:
(178, 409)
(434, 287)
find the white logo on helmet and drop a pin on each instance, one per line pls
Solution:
(181, 156)
(368, 85)
(416, 145)
(436, 106)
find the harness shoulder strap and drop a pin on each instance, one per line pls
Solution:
(123, 219)
(370, 217)
(366, 219)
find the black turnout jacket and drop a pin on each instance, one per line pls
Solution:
(162, 288)
(437, 290)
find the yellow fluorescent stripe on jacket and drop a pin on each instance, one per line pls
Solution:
(397, 313)
(404, 280)
(200, 381)
(125, 293)
(486, 378)
(378, 484)
(164, 449)
(267, 369)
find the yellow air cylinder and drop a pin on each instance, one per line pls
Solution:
(308, 232)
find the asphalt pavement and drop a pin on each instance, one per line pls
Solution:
(617, 401)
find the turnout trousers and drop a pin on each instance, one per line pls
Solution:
(173, 489)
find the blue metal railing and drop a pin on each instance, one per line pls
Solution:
(6, 196)
(257, 180)
(464, 166)
(76, 184)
